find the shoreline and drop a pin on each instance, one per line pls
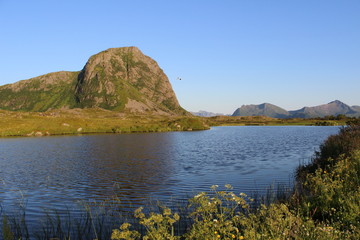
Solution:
(97, 121)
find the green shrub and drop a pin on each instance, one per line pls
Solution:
(217, 216)
(125, 233)
(333, 193)
(346, 142)
(158, 226)
(330, 184)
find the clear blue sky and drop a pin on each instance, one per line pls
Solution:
(228, 53)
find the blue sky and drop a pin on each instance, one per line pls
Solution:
(228, 53)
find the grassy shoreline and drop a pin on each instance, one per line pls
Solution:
(268, 121)
(94, 121)
(91, 121)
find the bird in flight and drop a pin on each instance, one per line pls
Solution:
(178, 78)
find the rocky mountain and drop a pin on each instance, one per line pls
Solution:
(202, 113)
(53, 90)
(356, 108)
(333, 108)
(118, 79)
(265, 109)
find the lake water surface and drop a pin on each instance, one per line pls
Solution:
(57, 172)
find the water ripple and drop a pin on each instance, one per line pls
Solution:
(57, 172)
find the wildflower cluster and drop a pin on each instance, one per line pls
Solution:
(217, 215)
(157, 225)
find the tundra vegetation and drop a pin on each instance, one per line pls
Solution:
(339, 120)
(97, 120)
(90, 120)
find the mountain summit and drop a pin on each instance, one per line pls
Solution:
(265, 109)
(333, 108)
(118, 79)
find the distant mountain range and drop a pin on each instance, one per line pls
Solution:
(333, 108)
(202, 113)
(265, 109)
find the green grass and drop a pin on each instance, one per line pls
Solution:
(90, 120)
(268, 121)
(30, 98)
(85, 121)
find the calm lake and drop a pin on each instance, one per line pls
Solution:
(59, 172)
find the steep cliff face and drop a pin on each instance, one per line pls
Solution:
(125, 79)
(119, 79)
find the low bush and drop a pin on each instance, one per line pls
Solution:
(332, 193)
(345, 142)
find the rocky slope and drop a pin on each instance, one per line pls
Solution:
(265, 109)
(118, 79)
(356, 108)
(333, 108)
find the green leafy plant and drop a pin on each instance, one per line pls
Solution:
(334, 192)
(217, 215)
(159, 226)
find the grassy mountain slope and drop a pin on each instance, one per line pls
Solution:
(53, 90)
(118, 79)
